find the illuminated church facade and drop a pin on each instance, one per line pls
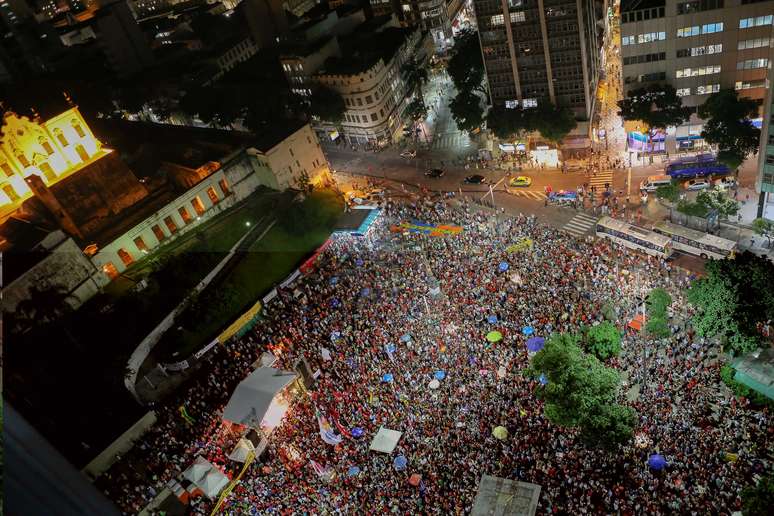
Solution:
(52, 149)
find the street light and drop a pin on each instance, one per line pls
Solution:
(247, 223)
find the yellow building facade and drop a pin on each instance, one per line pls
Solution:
(52, 149)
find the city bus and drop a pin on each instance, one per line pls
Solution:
(634, 237)
(696, 242)
(696, 166)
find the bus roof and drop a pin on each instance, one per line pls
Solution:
(698, 236)
(620, 225)
(699, 158)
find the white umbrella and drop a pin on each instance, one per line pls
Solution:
(434, 384)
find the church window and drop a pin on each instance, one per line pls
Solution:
(46, 145)
(7, 169)
(23, 160)
(78, 128)
(11, 193)
(61, 138)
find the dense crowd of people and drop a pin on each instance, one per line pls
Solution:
(409, 305)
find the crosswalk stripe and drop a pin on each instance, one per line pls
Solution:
(580, 224)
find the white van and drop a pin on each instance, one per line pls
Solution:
(653, 182)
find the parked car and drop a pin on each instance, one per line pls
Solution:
(725, 182)
(435, 172)
(696, 184)
(475, 179)
(521, 181)
(408, 153)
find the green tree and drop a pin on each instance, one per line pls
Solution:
(765, 228)
(657, 328)
(657, 106)
(415, 76)
(553, 122)
(608, 425)
(669, 192)
(603, 340)
(327, 104)
(467, 111)
(728, 125)
(506, 123)
(716, 199)
(416, 109)
(466, 67)
(657, 302)
(576, 381)
(758, 500)
(732, 298)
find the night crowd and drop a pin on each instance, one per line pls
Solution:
(371, 308)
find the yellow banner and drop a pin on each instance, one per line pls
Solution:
(239, 323)
(524, 243)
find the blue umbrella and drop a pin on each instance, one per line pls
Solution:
(439, 375)
(535, 344)
(335, 335)
(400, 463)
(353, 471)
(542, 379)
(528, 330)
(405, 337)
(359, 262)
(335, 303)
(492, 319)
(657, 462)
(357, 432)
(503, 267)
(334, 280)
(387, 378)
(390, 348)
(365, 292)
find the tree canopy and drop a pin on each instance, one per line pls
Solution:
(581, 392)
(553, 122)
(506, 123)
(603, 340)
(327, 104)
(657, 106)
(466, 66)
(728, 125)
(415, 76)
(467, 111)
(733, 297)
(759, 499)
(765, 228)
(416, 109)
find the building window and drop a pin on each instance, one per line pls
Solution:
(213, 195)
(369, 99)
(374, 116)
(46, 145)
(751, 64)
(171, 226)
(748, 85)
(7, 169)
(78, 129)
(110, 270)
(683, 92)
(48, 172)
(529, 103)
(23, 160)
(518, 17)
(497, 19)
(693, 72)
(158, 233)
(224, 186)
(187, 219)
(758, 21)
(709, 88)
(11, 193)
(140, 243)
(61, 138)
(753, 43)
(125, 257)
(291, 152)
(198, 206)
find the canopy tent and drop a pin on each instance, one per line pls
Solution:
(206, 477)
(253, 396)
(502, 497)
(242, 450)
(385, 440)
(637, 323)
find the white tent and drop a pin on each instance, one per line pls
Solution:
(213, 483)
(385, 440)
(254, 394)
(241, 450)
(197, 470)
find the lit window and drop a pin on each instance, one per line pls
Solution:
(518, 16)
(140, 243)
(78, 129)
(497, 19)
(682, 92)
(529, 103)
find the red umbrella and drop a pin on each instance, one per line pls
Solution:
(415, 479)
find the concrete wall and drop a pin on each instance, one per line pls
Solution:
(298, 153)
(66, 266)
(123, 444)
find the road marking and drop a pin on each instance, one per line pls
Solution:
(602, 177)
(580, 224)
(539, 196)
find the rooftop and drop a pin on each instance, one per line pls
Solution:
(19, 245)
(364, 48)
(636, 5)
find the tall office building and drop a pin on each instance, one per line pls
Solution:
(699, 47)
(765, 183)
(428, 15)
(542, 49)
(125, 46)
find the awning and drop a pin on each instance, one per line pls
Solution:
(254, 394)
(637, 323)
(385, 440)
